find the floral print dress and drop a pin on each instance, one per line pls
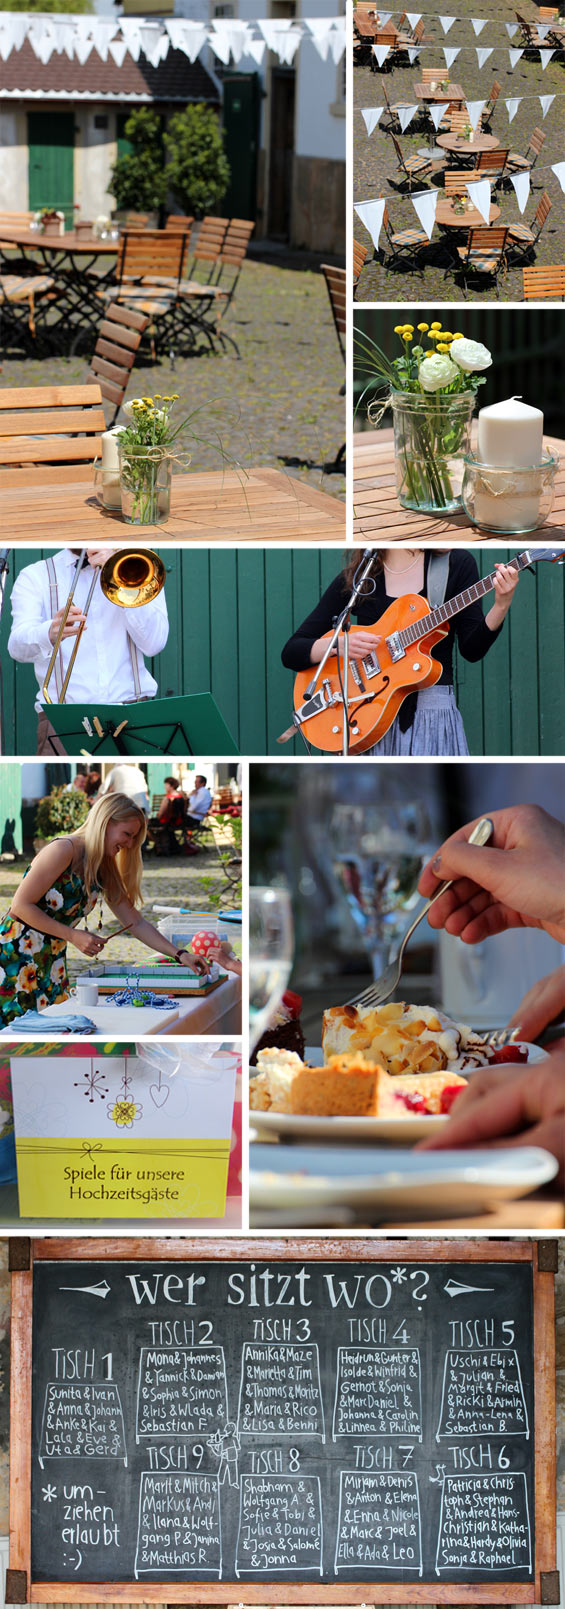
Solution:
(33, 965)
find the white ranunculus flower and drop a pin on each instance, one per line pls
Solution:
(128, 408)
(470, 355)
(437, 371)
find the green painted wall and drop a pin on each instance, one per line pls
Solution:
(10, 806)
(231, 611)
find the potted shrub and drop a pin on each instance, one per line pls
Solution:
(62, 811)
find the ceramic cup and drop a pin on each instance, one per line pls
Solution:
(87, 992)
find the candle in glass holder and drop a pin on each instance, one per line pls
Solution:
(111, 468)
(510, 435)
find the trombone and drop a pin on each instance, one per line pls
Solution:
(129, 578)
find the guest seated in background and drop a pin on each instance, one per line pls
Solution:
(199, 802)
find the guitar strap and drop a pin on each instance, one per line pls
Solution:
(438, 572)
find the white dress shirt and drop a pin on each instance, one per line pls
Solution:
(129, 779)
(199, 802)
(102, 668)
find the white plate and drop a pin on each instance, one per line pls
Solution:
(387, 1131)
(395, 1184)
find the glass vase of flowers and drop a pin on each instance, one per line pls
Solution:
(431, 391)
(145, 449)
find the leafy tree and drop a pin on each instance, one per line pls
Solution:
(61, 812)
(138, 178)
(46, 5)
(198, 170)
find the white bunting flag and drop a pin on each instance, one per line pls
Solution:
(84, 48)
(543, 29)
(371, 115)
(425, 203)
(414, 17)
(413, 52)
(437, 111)
(321, 28)
(371, 214)
(545, 56)
(256, 49)
(338, 42)
(450, 53)
(545, 103)
(381, 53)
(558, 168)
(405, 115)
(384, 17)
(474, 109)
(521, 182)
(447, 23)
(483, 53)
(130, 32)
(479, 192)
(514, 57)
(118, 49)
(478, 24)
(511, 29)
(512, 106)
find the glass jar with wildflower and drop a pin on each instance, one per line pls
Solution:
(431, 389)
(146, 449)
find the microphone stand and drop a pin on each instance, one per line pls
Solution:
(342, 628)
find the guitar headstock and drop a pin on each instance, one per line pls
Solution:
(552, 555)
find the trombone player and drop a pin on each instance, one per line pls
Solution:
(112, 642)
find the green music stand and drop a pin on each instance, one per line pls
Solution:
(188, 724)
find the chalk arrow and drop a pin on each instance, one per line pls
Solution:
(453, 1288)
(90, 1290)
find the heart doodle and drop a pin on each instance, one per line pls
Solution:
(159, 1093)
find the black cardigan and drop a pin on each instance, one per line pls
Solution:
(469, 627)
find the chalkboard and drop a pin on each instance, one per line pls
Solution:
(332, 1420)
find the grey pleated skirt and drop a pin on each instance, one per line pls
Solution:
(437, 728)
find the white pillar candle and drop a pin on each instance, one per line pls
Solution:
(510, 434)
(111, 468)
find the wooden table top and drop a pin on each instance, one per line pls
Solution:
(379, 518)
(71, 241)
(470, 219)
(255, 506)
(479, 142)
(454, 92)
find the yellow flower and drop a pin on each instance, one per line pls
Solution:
(148, 401)
(442, 347)
(423, 327)
(408, 336)
(158, 397)
(399, 329)
(447, 336)
(435, 326)
(458, 336)
(434, 335)
(175, 396)
(409, 329)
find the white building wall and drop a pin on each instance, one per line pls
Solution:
(15, 168)
(320, 108)
(95, 154)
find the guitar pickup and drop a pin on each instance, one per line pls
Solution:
(395, 648)
(356, 674)
(371, 665)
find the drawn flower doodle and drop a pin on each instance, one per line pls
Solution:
(124, 1111)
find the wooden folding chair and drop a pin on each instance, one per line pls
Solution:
(405, 244)
(18, 295)
(49, 434)
(487, 112)
(149, 269)
(205, 305)
(524, 164)
(455, 182)
(413, 167)
(115, 352)
(544, 284)
(179, 220)
(524, 236)
(492, 165)
(359, 260)
(484, 253)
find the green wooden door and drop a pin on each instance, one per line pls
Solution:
(51, 142)
(231, 611)
(242, 99)
(125, 146)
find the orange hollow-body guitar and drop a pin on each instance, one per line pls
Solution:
(401, 663)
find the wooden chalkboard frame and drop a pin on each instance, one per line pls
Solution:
(541, 1256)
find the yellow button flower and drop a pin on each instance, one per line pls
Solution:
(435, 326)
(408, 336)
(447, 336)
(399, 329)
(442, 347)
(458, 336)
(423, 328)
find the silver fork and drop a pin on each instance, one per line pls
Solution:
(384, 986)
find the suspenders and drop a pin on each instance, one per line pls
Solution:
(59, 672)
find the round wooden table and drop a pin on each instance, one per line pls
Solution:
(470, 219)
(70, 258)
(463, 147)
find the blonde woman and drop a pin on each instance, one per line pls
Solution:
(102, 859)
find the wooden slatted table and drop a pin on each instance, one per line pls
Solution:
(256, 505)
(378, 516)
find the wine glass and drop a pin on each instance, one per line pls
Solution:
(271, 950)
(378, 854)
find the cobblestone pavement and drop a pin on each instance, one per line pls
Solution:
(166, 881)
(375, 162)
(278, 405)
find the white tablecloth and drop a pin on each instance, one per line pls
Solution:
(216, 1013)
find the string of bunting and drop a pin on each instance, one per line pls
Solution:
(425, 202)
(76, 36)
(407, 111)
(477, 23)
(451, 52)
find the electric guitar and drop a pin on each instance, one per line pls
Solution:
(399, 664)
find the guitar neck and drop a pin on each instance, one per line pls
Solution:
(453, 606)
